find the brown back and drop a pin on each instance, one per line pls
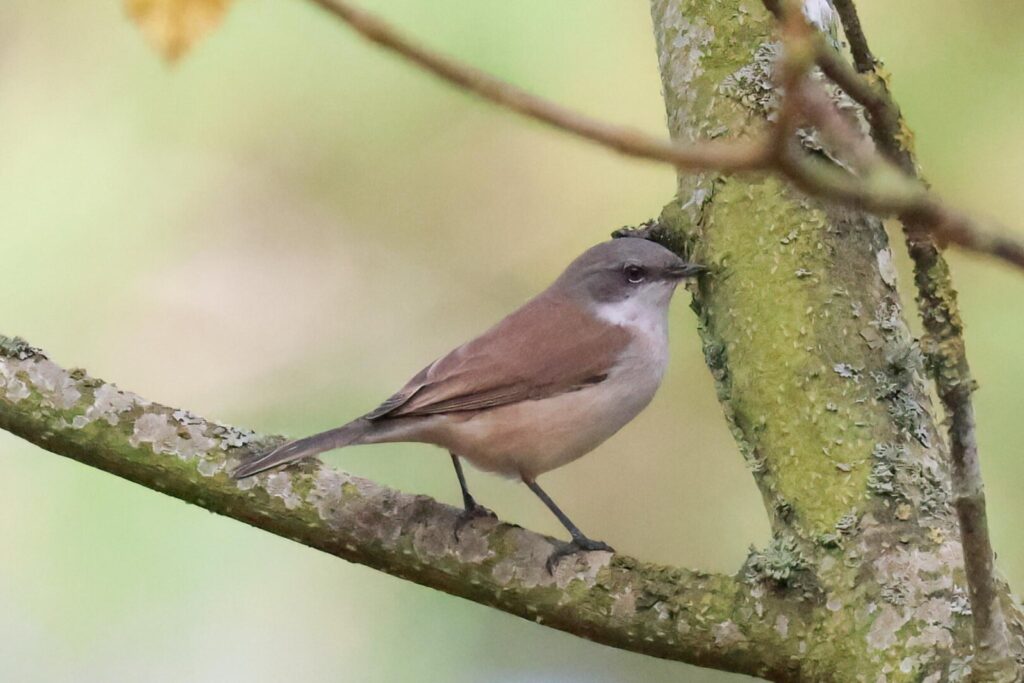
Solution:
(548, 347)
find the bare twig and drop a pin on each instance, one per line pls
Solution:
(887, 195)
(726, 156)
(952, 373)
(862, 57)
(888, 186)
(882, 113)
(881, 110)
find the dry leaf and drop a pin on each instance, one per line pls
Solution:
(174, 25)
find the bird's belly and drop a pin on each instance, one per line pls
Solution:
(529, 438)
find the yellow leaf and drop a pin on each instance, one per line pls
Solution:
(172, 26)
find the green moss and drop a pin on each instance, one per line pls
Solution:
(770, 340)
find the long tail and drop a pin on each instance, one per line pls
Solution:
(300, 449)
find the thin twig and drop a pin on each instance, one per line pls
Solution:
(726, 156)
(862, 56)
(884, 186)
(881, 110)
(938, 303)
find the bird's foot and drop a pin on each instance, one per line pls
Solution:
(573, 547)
(473, 511)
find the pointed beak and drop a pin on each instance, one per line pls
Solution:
(685, 270)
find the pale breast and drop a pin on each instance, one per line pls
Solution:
(528, 438)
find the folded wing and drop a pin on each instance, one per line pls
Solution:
(548, 347)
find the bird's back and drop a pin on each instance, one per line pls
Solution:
(550, 346)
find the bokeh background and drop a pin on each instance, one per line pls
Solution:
(281, 229)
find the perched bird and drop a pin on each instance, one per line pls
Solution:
(544, 386)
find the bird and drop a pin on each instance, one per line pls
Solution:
(541, 388)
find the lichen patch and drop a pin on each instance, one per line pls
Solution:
(11, 386)
(279, 485)
(327, 495)
(683, 43)
(753, 85)
(55, 384)
(166, 436)
(18, 349)
(884, 628)
(727, 634)
(108, 403)
(523, 560)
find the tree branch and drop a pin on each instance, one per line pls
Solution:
(628, 141)
(889, 194)
(862, 56)
(796, 287)
(939, 311)
(880, 109)
(705, 619)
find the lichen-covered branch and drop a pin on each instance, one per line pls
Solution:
(862, 56)
(820, 379)
(691, 616)
(949, 367)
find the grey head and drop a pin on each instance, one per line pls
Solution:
(625, 269)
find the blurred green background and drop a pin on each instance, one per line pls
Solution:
(268, 234)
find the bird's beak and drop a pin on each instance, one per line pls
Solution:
(685, 270)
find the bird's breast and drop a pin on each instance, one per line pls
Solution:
(528, 438)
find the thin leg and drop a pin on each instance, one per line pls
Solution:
(473, 509)
(579, 540)
(467, 498)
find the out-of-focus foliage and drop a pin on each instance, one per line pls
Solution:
(284, 228)
(174, 25)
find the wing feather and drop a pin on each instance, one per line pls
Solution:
(548, 347)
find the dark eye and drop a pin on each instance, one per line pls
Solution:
(634, 274)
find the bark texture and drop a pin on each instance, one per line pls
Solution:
(820, 380)
(691, 616)
(818, 374)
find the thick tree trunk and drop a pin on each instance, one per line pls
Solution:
(819, 377)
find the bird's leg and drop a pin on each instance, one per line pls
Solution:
(579, 541)
(472, 509)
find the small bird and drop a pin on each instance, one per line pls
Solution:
(544, 386)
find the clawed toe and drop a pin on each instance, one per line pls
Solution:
(577, 545)
(477, 511)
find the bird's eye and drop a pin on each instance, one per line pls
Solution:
(634, 274)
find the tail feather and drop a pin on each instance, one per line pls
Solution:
(300, 449)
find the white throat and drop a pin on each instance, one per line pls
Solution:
(645, 312)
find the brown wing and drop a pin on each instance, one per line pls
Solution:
(547, 347)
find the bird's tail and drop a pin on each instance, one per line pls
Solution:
(300, 449)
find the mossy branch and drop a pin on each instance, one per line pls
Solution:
(816, 370)
(691, 616)
(937, 300)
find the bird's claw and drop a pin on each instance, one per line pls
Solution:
(476, 511)
(575, 546)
